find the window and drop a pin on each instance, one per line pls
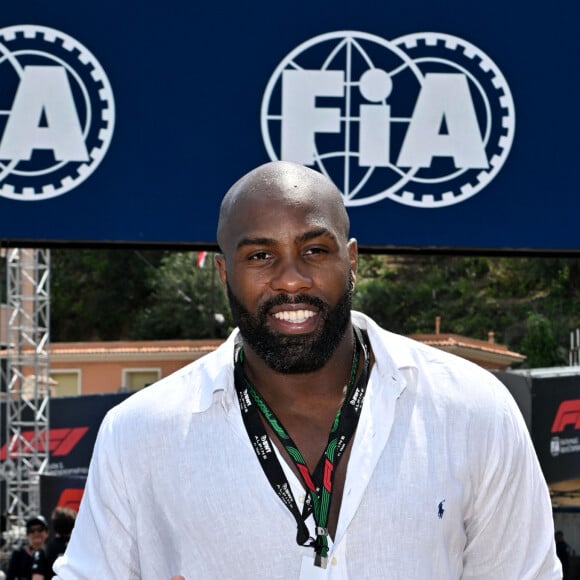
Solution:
(136, 379)
(68, 383)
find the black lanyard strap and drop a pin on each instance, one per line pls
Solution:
(265, 452)
(319, 484)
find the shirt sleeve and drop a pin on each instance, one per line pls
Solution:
(103, 543)
(510, 528)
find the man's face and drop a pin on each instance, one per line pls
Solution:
(289, 274)
(37, 535)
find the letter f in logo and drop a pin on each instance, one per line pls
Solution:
(301, 118)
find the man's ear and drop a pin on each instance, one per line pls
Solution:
(352, 246)
(220, 262)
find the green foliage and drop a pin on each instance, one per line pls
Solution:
(3, 280)
(128, 294)
(476, 295)
(184, 302)
(95, 294)
(540, 345)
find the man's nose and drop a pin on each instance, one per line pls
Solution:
(292, 275)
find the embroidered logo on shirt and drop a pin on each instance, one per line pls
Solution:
(440, 510)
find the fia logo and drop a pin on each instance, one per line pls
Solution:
(57, 113)
(426, 120)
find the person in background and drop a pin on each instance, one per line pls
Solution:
(313, 443)
(62, 522)
(563, 551)
(21, 561)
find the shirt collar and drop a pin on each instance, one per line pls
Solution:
(393, 352)
(213, 374)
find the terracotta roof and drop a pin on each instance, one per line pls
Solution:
(138, 346)
(492, 353)
(488, 353)
(457, 340)
(131, 350)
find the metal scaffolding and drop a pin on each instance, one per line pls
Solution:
(25, 382)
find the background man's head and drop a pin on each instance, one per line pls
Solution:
(36, 531)
(63, 521)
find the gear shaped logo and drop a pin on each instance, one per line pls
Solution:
(57, 113)
(426, 120)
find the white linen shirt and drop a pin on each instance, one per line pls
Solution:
(442, 482)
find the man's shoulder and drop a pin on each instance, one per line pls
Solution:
(441, 372)
(55, 548)
(20, 556)
(403, 351)
(190, 388)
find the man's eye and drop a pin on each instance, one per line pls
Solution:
(260, 256)
(314, 251)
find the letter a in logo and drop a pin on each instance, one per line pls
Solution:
(57, 122)
(43, 90)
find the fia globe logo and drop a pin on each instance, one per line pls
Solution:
(426, 120)
(57, 113)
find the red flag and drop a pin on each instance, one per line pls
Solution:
(201, 256)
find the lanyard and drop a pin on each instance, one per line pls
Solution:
(319, 484)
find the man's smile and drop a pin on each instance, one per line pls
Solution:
(295, 316)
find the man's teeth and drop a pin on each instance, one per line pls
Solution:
(294, 315)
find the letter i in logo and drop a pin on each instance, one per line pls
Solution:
(374, 126)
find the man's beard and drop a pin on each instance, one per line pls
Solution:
(294, 354)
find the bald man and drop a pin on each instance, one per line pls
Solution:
(311, 444)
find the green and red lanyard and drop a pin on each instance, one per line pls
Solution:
(319, 484)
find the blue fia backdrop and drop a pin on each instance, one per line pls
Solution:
(198, 92)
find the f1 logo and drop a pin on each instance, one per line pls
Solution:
(568, 414)
(71, 498)
(61, 441)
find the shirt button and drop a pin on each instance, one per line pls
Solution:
(333, 561)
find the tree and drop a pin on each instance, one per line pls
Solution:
(185, 302)
(539, 344)
(95, 294)
(473, 295)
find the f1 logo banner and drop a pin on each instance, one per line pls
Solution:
(426, 120)
(74, 423)
(60, 491)
(568, 415)
(57, 113)
(60, 442)
(556, 426)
